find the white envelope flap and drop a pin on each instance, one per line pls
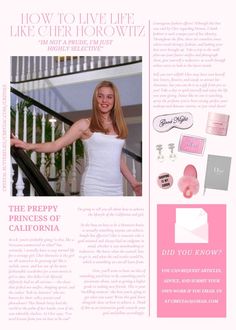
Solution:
(198, 235)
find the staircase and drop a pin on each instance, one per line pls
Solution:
(35, 122)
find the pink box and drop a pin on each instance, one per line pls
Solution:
(217, 123)
(192, 144)
(191, 260)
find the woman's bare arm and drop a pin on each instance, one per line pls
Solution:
(75, 132)
(136, 186)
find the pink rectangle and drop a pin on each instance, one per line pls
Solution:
(192, 144)
(191, 273)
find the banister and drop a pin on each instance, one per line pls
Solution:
(41, 106)
(132, 155)
(76, 72)
(36, 178)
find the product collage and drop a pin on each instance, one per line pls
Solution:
(191, 164)
(217, 171)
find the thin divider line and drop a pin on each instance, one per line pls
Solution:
(149, 139)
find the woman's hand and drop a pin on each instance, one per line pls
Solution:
(137, 188)
(20, 144)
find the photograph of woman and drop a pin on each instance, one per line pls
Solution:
(103, 136)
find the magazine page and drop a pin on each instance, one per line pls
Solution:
(117, 165)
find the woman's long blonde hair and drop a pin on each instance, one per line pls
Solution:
(117, 116)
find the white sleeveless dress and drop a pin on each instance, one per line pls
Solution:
(102, 175)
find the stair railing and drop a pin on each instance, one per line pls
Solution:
(40, 184)
(30, 68)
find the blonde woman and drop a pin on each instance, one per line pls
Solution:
(103, 136)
